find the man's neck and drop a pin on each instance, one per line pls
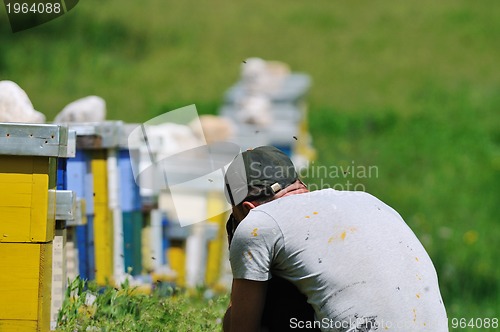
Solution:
(298, 187)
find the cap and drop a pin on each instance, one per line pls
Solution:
(257, 173)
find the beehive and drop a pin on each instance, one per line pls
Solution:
(28, 168)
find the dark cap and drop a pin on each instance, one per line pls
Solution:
(258, 173)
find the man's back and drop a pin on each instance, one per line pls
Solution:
(355, 259)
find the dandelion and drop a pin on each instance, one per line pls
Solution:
(470, 237)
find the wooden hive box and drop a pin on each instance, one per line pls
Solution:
(96, 144)
(28, 167)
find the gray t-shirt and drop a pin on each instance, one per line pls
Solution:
(353, 256)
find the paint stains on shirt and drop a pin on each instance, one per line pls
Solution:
(309, 217)
(341, 235)
(249, 255)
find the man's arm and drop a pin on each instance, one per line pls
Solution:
(247, 302)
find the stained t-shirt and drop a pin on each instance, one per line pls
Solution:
(359, 264)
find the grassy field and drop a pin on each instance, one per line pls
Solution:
(92, 309)
(407, 87)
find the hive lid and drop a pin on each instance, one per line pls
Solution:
(23, 139)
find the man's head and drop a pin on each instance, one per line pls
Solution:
(258, 174)
(255, 177)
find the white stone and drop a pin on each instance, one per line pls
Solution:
(260, 76)
(15, 105)
(87, 109)
(255, 109)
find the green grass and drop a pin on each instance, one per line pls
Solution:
(89, 308)
(408, 87)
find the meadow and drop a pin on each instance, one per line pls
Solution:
(407, 87)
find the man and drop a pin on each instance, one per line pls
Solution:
(357, 263)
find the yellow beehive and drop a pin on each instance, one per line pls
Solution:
(25, 286)
(216, 202)
(177, 259)
(103, 225)
(28, 160)
(24, 199)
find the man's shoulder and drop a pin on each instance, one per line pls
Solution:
(325, 203)
(325, 196)
(256, 219)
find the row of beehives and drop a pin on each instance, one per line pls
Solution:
(96, 224)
